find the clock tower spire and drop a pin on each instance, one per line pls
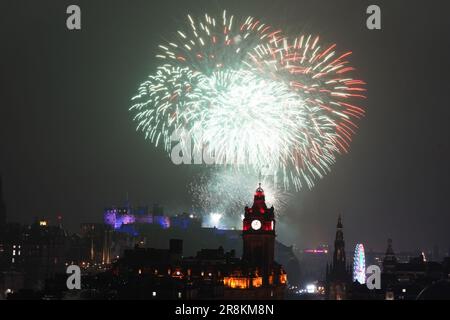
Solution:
(259, 235)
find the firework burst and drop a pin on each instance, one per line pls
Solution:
(227, 191)
(322, 80)
(209, 44)
(256, 97)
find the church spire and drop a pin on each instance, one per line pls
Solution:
(339, 246)
(390, 260)
(339, 275)
(339, 231)
(389, 250)
(339, 223)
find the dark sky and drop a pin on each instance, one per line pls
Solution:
(68, 145)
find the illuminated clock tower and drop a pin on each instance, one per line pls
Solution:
(259, 235)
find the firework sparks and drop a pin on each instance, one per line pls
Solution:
(227, 192)
(255, 96)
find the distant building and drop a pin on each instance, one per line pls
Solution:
(39, 251)
(338, 274)
(285, 256)
(413, 279)
(390, 260)
(407, 280)
(123, 218)
(185, 221)
(436, 253)
(151, 273)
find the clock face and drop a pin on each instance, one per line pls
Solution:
(256, 224)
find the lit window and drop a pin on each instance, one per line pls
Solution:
(179, 295)
(236, 282)
(14, 252)
(154, 293)
(257, 282)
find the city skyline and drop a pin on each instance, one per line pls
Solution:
(144, 213)
(127, 258)
(69, 147)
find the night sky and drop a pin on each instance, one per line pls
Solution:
(68, 145)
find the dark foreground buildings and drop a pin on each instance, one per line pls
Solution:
(148, 273)
(119, 265)
(117, 262)
(416, 279)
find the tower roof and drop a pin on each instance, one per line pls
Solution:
(259, 193)
(339, 267)
(259, 189)
(389, 257)
(339, 223)
(339, 233)
(389, 250)
(259, 200)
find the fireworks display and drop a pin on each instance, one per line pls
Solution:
(226, 192)
(258, 98)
